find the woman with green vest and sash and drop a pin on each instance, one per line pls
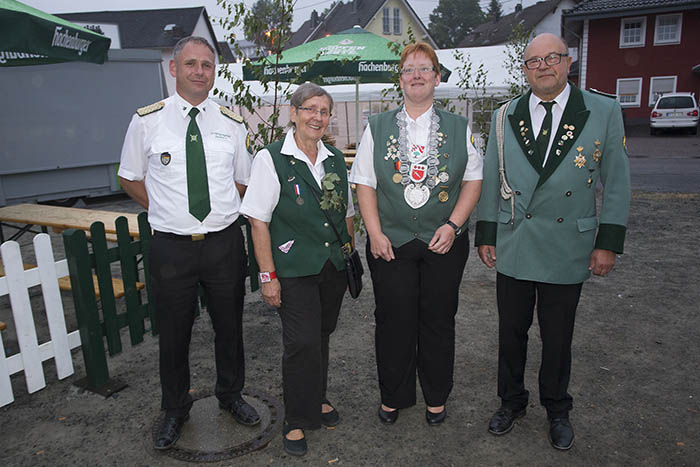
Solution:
(418, 178)
(299, 254)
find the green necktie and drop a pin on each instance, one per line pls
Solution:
(543, 138)
(197, 184)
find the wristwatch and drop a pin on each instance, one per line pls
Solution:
(453, 225)
(266, 277)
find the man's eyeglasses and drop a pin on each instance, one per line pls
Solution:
(313, 111)
(552, 59)
(424, 70)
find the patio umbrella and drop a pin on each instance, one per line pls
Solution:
(32, 37)
(350, 56)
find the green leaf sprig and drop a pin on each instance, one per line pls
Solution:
(331, 199)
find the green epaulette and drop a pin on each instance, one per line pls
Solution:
(231, 114)
(149, 109)
(601, 93)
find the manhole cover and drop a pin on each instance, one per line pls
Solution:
(211, 434)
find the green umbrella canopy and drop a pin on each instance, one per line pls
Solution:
(340, 58)
(32, 37)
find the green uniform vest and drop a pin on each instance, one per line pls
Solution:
(304, 223)
(400, 222)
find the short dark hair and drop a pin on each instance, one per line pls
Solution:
(186, 40)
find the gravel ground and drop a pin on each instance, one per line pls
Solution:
(635, 379)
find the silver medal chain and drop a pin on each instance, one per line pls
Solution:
(404, 149)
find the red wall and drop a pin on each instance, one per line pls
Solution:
(607, 61)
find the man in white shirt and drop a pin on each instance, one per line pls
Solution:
(185, 160)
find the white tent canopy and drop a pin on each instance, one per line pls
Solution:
(492, 57)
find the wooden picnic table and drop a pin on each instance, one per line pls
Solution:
(349, 155)
(62, 218)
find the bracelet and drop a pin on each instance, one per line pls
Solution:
(453, 225)
(266, 277)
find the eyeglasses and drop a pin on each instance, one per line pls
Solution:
(552, 59)
(424, 70)
(313, 111)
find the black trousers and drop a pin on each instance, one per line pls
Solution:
(556, 312)
(416, 297)
(177, 266)
(309, 314)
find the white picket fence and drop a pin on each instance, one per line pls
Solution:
(16, 284)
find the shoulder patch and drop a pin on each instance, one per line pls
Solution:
(601, 93)
(231, 114)
(149, 109)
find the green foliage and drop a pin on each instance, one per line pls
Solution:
(473, 82)
(515, 51)
(452, 20)
(394, 93)
(271, 16)
(331, 199)
(494, 12)
(238, 16)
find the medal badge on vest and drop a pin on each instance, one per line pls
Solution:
(417, 166)
(165, 158)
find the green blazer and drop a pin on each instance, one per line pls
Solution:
(555, 224)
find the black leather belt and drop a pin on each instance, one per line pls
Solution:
(193, 237)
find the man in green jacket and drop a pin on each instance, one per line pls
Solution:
(540, 221)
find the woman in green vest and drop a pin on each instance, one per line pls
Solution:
(300, 255)
(418, 178)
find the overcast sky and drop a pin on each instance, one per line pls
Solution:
(302, 10)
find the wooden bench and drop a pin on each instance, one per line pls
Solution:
(64, 284)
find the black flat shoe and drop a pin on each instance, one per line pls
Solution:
(169, 432)
(435, 418)
(331, 418)
(242, 412)
(386, 417)
(293, 447)
(561, 433)
(503, 420)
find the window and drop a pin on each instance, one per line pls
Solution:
(386, 21)
(661, 85)
(668, 29)
(397, 21)
(632, 32)
(629, 91)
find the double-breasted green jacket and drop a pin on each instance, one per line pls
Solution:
(554, 226)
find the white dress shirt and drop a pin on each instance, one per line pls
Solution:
(538, 112)
(263, 191)
(418, 132)
(152, 138)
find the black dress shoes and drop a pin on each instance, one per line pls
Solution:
(435, 418)
(561, 434)
(503, 420)
(242, 412)
(169, 432)
(331, 418)
(386, 417)
(293, 447)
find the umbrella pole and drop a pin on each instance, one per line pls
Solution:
(357, 112)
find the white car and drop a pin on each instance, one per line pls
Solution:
(675, 110)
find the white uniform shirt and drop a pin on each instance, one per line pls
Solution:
(538, 112)
(152, 138)
(418, 131)
(263, 192)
